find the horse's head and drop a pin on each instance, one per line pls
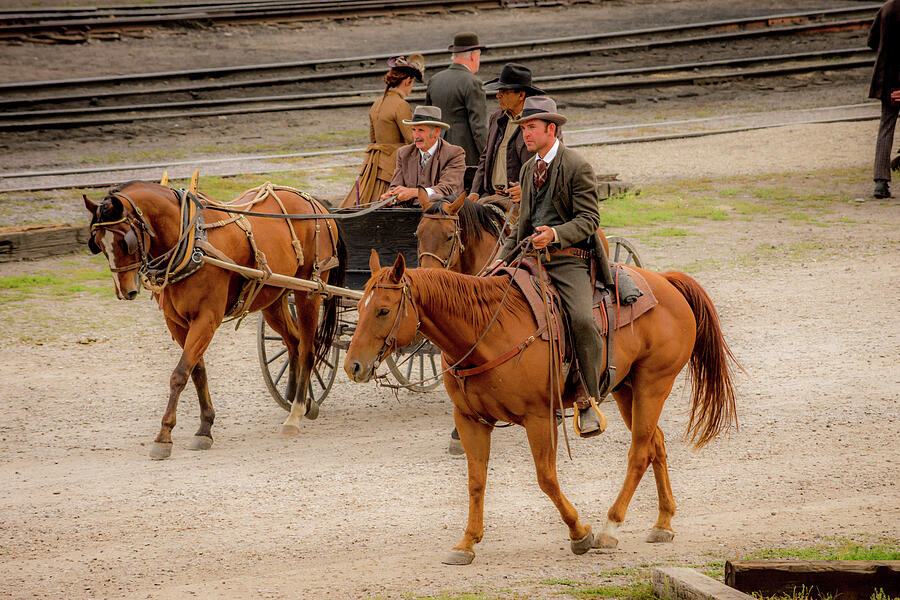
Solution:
(388, 319)
(120, 231)
(439, 232)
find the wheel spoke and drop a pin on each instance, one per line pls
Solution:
(272, 337)
(281, 371)
(409, 366)
(319, 378)
(276, 356)
(434, 369)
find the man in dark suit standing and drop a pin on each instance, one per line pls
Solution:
(505, 151)
(459, 95)
(429, 162)
(560, 207)
(884, 38)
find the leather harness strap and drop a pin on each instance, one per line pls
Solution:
(457, 372)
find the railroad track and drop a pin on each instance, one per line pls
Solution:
(65, 106)
(73, 24)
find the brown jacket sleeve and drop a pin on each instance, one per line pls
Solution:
(450, 178)
(404, 112)
(399, 172)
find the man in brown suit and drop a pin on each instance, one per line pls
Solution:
(459, 94)
(560, 208)
(429, 162)
(505, 151)
(884, 38)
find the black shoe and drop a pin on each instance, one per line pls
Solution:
(882, 190)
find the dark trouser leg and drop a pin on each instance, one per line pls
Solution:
(571, 277)
(885, 141)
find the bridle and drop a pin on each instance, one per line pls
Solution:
(390, 341)
(138, 226)
(456, 246)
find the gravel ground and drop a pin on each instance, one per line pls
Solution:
(365, 502)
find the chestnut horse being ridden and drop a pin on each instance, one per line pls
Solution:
(454, 312)
(139, 222)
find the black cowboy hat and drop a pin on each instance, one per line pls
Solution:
(465, 41)
(514, 77)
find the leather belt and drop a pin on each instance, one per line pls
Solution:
(576, 252)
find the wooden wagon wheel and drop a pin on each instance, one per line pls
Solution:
(425, 363)
(273, 360)
(623, 252)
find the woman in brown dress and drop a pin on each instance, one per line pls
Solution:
(387, 133)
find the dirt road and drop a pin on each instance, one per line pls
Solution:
(366, 501)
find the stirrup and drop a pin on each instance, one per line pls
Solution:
(600, 417)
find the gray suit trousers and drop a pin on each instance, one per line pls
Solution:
(572, 278)
(885, 141)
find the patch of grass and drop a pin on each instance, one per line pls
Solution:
(843, 550)
(71, 279)
(637, 591)
(631, 210)
(728, 193)
(669, 232)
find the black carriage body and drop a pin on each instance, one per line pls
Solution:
(388, 230)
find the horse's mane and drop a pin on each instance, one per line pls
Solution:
(452, 294)
(474, 218)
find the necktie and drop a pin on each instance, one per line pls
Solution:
(540, 173)
(425, 157)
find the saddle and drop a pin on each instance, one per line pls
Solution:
(609, 312)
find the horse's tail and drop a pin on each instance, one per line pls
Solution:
(328, 325)
(712, 404)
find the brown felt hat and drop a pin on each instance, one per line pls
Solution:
(427, 115)
(540, 107)
(414, 64)
(465, 41)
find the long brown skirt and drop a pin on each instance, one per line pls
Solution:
(374, 178)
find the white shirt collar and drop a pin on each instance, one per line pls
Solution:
(431, 150)
(551, 153)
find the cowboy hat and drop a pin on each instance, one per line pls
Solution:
(514, 77)
(540, 107)
(414, 64)
(464, 41)
(427, 115)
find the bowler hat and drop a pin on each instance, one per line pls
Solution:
(414, 64)
(514, 77)
(465, 41)
(427, 115)
(540, 107)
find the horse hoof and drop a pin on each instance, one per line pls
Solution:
(602, 540)
(290, 431)
(459, 557)
(658, 535)
(456, 448)
(160, 450)
(312, 413)
(584, 544)
(200, 442)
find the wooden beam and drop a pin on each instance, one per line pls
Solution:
(846, 579)
(681, 583)
(283, 281)
(40, 241)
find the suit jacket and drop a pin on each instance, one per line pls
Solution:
(884, 38)
(573, 191)
(459, 95)
(516, 154)
(443, 172)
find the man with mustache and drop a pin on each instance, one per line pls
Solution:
(429, 162)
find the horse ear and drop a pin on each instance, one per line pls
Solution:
(374, 263)
(457, 204)
(398, 269)
(90, 204)
(115, 209)
(423, 199)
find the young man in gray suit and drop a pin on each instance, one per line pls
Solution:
(560, 208)
(459, 94)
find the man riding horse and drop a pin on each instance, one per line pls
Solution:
(559, 209)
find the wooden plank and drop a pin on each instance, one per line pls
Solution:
(40, 241)
(681, 583)
(277, 280)
(847, 579)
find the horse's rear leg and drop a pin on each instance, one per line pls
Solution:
(540, 431)
(307, 319)
(640, 412)
(194, 342)
(476, 439)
